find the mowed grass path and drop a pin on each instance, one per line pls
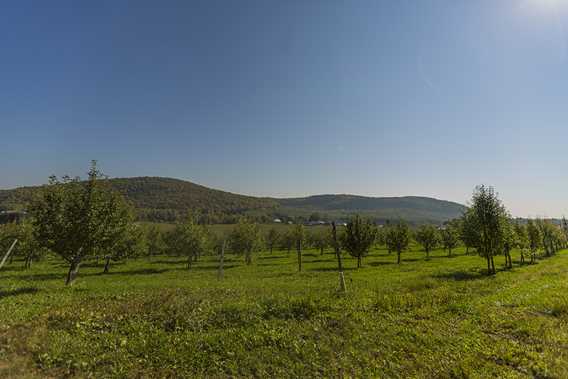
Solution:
(154, 318)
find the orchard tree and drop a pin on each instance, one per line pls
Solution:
(245, 239)
(380, 236)
(133, 244)
(358, 238)
(299, 233)
(509, 242)
(428, 237)
(76, 220)
(320, 240)
(486, 219)
(398, 238)
(534, 237)
(28, 246)
(468, 233)
(155, 241)
(272, 239)
(522, 240)
(450, 237)
(189, 239)
(287, 241)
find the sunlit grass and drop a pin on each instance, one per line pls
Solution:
(152, 317)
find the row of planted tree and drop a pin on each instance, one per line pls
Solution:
(81, 221)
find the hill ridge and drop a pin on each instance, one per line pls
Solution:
(165, 199)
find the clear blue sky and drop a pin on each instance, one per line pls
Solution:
(289, 98)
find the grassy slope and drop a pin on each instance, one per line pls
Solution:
(437, 318)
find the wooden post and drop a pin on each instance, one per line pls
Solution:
(8, 253)
(342, 286)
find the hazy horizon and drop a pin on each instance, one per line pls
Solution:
(289, 99)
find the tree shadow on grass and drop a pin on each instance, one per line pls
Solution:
(17, 292)
(272, 257)
(378, 264)
(145, 271)
(271, 264)
(34, 277)
(167, 262)
(282, 274)
(321, 261)
(211, 268)
(462, 275)
(329, 269)
(12, 268)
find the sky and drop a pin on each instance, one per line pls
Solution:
(293, 98)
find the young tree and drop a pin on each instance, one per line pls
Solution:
(486, 218)
(132, 245)
(287, 240)
(468, 233)
(155, 241)
(245, 239)
(428, 237)
(28, 246)
(534, 237)
(450, 237)
(380, 236)
(299, 237)
(272, 238)
(522, 240)
(77, 219)
(320, 240)
(189, 239)
(398, 238)
(509, 242)
(358, 238)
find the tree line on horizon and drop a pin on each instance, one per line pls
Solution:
(84, 220)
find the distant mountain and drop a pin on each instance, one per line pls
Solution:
(167, 200)
(412, 208)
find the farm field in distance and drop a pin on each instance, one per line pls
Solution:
(152, 317)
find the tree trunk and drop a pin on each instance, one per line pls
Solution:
(73, 271)
(299, 250)
(488, 265)
(427, 253)
(467, 250)
(220, 273)
(321, 250)
(28, 264)
(189, 261)
(398, 257)
(359, 261)
(493, 271)
(107, 265)
(248, 258)
(522, 256)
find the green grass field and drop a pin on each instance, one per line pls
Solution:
(154, 318)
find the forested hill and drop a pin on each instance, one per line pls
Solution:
(168, 200)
